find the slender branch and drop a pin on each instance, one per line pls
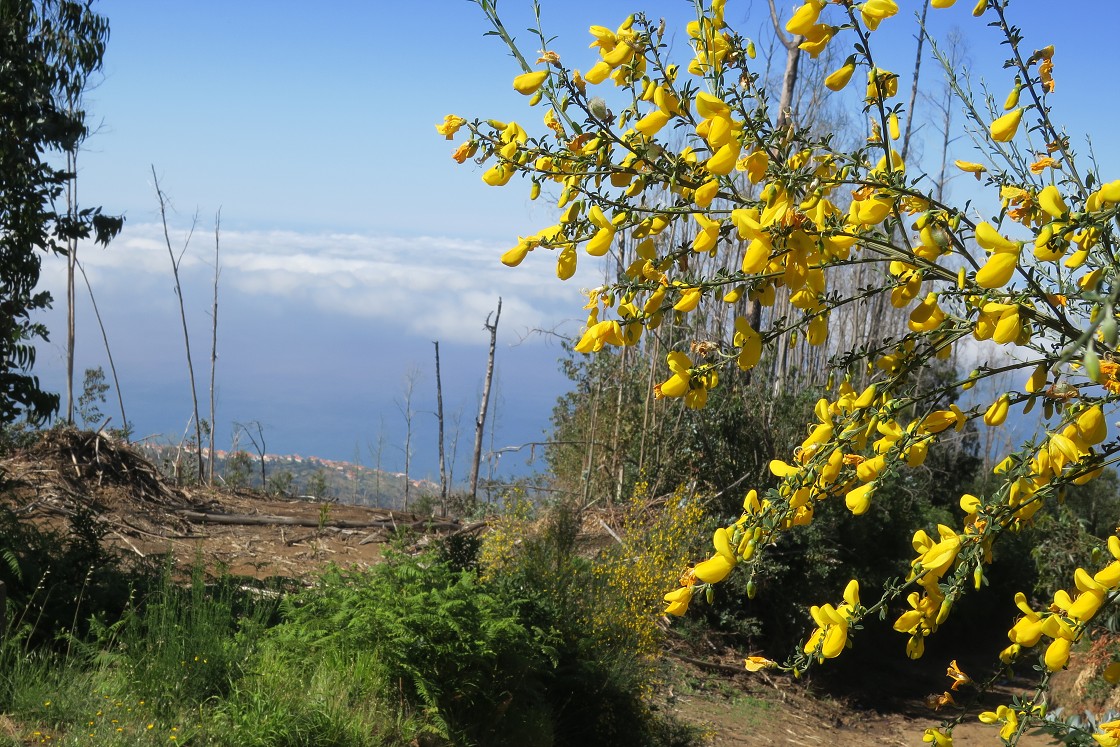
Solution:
(182, 314)
(214, 344)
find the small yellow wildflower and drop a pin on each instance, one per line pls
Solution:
(838, 79)
(1046, 162)
(450, 125)
(529, 83)
(976, 169)
(959, 677)
(1003, 129)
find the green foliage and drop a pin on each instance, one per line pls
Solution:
(460, 651)
(600, 624)
(63, 580)
(608, 431)
(809, 565)
(1074, 534)
(238, 469)
(331, 700)
(459, 551)
(187, 643)
(506, 660)
(48, 49)
(364, 658)
(317, 486)
(147, 674)
(280, 483)
(94, 388)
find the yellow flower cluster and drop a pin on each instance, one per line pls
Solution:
(1065, 620)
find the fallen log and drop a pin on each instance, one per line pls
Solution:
(256, 520)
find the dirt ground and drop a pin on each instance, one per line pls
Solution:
(741, 710)
(241, 532)
(249, 534)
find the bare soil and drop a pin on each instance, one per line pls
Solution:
(745, 709)
(241, 532)
(246, 533)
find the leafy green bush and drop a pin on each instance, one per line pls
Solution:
(57, 582)
(602, 619)
(455, 648)
(505, 660)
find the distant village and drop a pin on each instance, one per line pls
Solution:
(303, 476)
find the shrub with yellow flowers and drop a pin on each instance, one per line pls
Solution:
(697, 150)
(656, 535)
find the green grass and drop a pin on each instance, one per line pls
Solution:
(416, 650)
(190, 664)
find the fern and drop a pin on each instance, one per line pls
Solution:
(12, 561)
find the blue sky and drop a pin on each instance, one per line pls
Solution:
(350, 239)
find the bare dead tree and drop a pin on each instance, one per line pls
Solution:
(480, 421)
(355, 476)
(376, 454)
(785, 119)
(439, 417)
(456, 422)
(914, 82)
(108, 351)
(492, 453)
(72, 85)
(258, 445)
(592, 443)
(789, 77)
(953, 55)
(214, 342)
(182, 309)
(71, 264)
(404, 404)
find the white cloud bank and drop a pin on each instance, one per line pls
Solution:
(431, 286)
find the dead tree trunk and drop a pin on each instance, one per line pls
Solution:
(784, 120)
(914, 83)
(376, 455)
(125, 429)
(214, 345)
(439, 417)
(71, 262)
(456, 422)
(789, 77)
(182, 315)
(258, 446)
(405, 406)
(480, 421)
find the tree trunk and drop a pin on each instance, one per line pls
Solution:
(405, 407)
(108, 352)
(71, 261)
(789, 81)
(214, 347)
(914, 83)
(480, 422)
(183, 316)
(789, 77)
(439, 416)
